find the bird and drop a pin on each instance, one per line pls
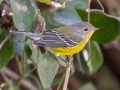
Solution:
(65, 40)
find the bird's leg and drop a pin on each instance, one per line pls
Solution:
(69, 60)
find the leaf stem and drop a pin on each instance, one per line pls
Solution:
(6, 38)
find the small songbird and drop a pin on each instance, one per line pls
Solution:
(66, 40)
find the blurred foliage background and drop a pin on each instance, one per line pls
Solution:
(23, 68)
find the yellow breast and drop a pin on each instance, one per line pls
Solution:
(72, 50)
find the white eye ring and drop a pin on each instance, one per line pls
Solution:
(86, 29)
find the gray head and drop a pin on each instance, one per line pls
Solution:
(83, 28)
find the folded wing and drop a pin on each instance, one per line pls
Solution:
(52, 38)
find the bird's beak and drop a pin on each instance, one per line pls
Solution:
(97, 28)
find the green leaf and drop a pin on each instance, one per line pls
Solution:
(18, 41)
(47, 69)
(24, 64)
(45, 1)
(48, 17)
(3, 34)
(35, 52)
(67, 16)
(60, 59)
(80, 4)
(6, 52)
(23, 14)
(26, 55)
(96, 57)
(27, 50)
(109, 28)
(88, 86)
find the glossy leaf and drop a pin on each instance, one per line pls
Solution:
(18, 41)
(23, 14)
(62, 60)
(3, 34)
(48, 17)
(27, 50)
(96, 58)
(26, 55)
(35, 51)
(6, 53)
(47, 69)
(80, 4)
(67, 16)
(109, 27)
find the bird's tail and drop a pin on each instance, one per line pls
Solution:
(31, 35)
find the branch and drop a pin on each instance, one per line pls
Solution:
(61, 82)
(89, 44)
(87, 9)
(18, 64)
(97, 10)
(69, 59)
(15, 77)
(79, 63)
(100, 5)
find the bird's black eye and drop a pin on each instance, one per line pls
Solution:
(86, 29)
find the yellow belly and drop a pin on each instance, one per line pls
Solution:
(71, 50)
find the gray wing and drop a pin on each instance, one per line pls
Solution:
(52, 38)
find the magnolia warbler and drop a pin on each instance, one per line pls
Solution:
(66, 40)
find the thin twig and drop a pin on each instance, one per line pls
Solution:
(3, 75)
(97, 10)
(79, 63)
(15, 77)
(101, 5)
(6, 38)
(89, 44)
(33, 69)
(89, 11)
(18, 64)
(7, 21)
(20, 80)
(61, 82)
(62, 59)
(40, 22)
(69, 59)
(34, 77)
